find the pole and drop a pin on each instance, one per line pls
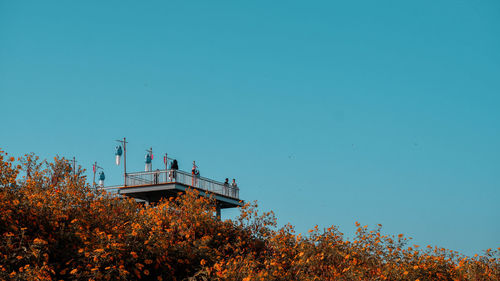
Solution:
(166, 162)
(125, 161)
(217, 211)
(94, 170)
(124, 143)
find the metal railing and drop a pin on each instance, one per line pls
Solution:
(112, 190)
(181, 177)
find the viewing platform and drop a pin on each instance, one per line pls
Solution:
(155, 185)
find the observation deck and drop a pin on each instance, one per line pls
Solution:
(155, 185)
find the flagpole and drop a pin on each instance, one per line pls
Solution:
(165, 160)
(94, 168)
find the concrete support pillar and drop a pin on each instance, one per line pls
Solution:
(217, 210)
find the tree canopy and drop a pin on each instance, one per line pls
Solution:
(55, 226)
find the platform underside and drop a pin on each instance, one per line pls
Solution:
(155, 192)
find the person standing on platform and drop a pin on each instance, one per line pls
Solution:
(174, 166)
(157, 175)
(195, 174)
(226, 187)
(234, 188)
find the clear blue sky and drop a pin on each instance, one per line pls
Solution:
(326, 113)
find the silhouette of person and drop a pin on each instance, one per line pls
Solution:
(174, 166)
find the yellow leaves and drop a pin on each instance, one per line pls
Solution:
(405, 273)
(148, 261)
(134, 255)
(74, 271)
(203, 262)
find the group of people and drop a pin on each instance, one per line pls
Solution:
(233, 190)
(172, 176)
(233, 184)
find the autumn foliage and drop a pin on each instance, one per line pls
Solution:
(54, 226)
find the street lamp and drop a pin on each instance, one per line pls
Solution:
(118, 154)
(149, 157)
(101, 179)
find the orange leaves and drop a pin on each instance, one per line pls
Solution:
(87, 238)
(39, 241)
